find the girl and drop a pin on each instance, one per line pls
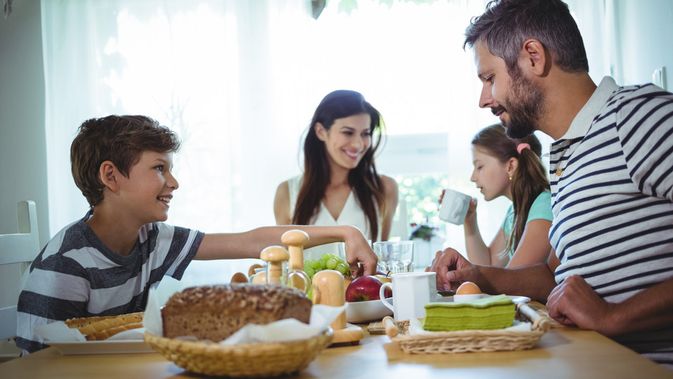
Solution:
(340, 184)
(511, 168)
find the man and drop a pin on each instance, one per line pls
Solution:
(611, 178)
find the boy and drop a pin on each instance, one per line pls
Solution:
(105, 263)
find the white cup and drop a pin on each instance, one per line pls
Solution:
(454, 206)
(395, 256)
(411, 292)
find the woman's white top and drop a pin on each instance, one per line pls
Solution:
(351, 214)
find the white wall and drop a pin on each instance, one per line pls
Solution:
(23, 172)
(646, 32)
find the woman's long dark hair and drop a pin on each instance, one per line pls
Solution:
(529, 179)
(363, 179)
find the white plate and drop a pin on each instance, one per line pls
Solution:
(515, 299)
(519, 299)
(365, 311)
(102, 347)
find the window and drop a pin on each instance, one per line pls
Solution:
(239, 81)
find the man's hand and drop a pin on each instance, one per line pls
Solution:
(575, 303)
(452, 269)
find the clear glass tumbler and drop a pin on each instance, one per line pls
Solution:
(395, 256)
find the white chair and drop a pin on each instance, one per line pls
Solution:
(17, 251)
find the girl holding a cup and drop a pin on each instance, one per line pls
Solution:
(511, 168)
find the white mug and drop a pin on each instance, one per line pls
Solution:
(411, 292)
(454, 206)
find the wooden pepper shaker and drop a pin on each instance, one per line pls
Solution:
(295, 240)
(274, 257)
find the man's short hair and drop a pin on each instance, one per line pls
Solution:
(119, 139)
(506, 24)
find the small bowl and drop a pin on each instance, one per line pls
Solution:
(366, 311)
(468, 298)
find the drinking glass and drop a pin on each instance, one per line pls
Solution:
(395, 256)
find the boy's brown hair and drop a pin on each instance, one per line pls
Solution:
(119, 139)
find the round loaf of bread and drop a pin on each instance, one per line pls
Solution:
(216, 312)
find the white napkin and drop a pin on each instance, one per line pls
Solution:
(157, 297)
(58, 332)
(288, 329)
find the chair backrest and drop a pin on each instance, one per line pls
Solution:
(17, 251)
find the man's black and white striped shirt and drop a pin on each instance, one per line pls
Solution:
(612, 199)
(76, 275)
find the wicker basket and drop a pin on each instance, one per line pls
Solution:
(244, 360)
(474, 340)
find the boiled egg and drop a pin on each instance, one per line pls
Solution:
(467, 291)
(468, 288)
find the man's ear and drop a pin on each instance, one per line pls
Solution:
(107, 173)
(320, 131)
(535, 58)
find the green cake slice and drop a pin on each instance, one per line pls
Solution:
(492, 312)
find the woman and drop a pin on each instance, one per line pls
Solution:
(340, 184)
(511, 168)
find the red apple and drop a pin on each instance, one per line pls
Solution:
(365, 288)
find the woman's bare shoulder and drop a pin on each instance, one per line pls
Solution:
(389, 184)
(283, 186)
(281, 204)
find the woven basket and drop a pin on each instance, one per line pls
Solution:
(474, 340)
(244, 360)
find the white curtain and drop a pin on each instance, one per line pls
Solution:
(203, 68)
(239, 80)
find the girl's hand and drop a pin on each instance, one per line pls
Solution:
(471, 215)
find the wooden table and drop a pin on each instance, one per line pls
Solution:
(561, 353)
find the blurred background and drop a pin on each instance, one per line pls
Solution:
(239, 80)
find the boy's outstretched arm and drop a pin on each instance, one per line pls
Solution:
(249, 244)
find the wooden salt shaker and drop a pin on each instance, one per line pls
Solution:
(328, 289)
(274, 257)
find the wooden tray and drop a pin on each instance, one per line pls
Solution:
(470, 340)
